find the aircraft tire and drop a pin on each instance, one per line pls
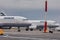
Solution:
(19, 30)
(27, 29)
(31, 29)
(10, 27)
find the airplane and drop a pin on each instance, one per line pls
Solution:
(18, 21)
(39, 24)
(13, 21)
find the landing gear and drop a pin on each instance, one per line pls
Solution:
(27, 29)
(31, 29)
(10, 27)
(19, 29)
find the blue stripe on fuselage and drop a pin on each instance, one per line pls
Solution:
(15, 24)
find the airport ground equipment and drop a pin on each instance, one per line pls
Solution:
(1, 31)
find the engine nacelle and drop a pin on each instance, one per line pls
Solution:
(32, 27)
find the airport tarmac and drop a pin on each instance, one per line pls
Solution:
(29, 35)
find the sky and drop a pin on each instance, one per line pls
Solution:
(32, 9)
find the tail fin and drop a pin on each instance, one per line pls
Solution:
(2, 14)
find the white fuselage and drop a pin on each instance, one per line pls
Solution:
(40, 23)
(13, 21)
(22, 21)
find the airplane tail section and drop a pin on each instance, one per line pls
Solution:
(2, 14)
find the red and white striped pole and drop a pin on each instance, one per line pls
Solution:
(45, 23)
(45, 5)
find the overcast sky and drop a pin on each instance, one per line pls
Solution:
(29, 4)
(32, 9)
